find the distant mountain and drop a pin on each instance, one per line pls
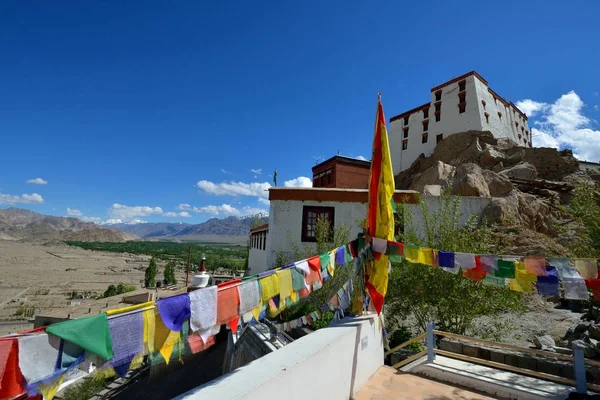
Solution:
(230, 226)
(151, 229)
(21, 224)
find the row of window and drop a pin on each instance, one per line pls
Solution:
(258, 240)
(424, 139)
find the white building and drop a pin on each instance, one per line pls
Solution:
(461, 104)
(257, 257)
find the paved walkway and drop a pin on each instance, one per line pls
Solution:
(389, 384)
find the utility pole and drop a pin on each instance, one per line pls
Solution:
(187, 274)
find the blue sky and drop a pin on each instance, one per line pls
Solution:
(129, 109)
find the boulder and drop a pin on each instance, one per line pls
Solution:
(469, 181)
(490, 157)
(594, 331)
(544, 342)
(520, 209)
(522, 170)
(514, 156)
(439, 174)
(498, 185)
(432, 190)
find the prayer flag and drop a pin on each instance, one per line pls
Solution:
(89, 333)
(285, 283)
(425, 256)
(411, 253)
(11, 379)
(476, 274)
(523, 282)
(303, 266)
(314, 263)
(464, 260)
(269, 286)
(564, 267)
(227, 306)
(575, 289)
(488, 262)
(494, 280)
(379, 245)
(548, 285)
(446, 259)
(203, 304)
(127, 336)
(380, 213)
(395, 251)
(174, 310)
(594, 286)
(506, 269)
(331, 266)
(587, 267)
(250, 295)
(298, 280)
(339, 256)
(535, 265)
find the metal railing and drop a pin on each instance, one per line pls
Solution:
(578, 359)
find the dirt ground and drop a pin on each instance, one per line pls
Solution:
(42, 276)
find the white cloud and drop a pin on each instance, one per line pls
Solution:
(597, 107)
(33, 198)
(184, 207)
(563, 125)
(361, 158)
(257, 171)
(531, 107)
(122, 221)
(225, 172)
(73, 212)
(257, 189)
(264, 201)
(301, 181)
(183, 214)
(95, 220)
(227, 209)
(119, 211)
(37, 181)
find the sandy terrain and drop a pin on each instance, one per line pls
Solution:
(43, 275)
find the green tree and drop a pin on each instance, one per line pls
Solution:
(150, 275)
(420, 293)
(169, 273)
(111, 291)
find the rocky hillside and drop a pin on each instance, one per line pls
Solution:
(230, 226)
(528, 186)
(21, 224)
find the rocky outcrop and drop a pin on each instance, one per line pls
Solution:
(438, 174)
(522, 170)
(491, 157)
(469, 181)
(522, 209)
(498, 185)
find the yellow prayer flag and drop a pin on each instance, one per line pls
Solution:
(270, 287)
(425, 256)
(285, 283)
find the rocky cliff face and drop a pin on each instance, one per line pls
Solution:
(528, 185)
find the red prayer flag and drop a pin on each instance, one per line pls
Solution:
(314, 263)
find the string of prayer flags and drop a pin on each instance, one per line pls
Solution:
(535, 265)
(90, 333)
(587, 267)
(174, 311)
(548, 285)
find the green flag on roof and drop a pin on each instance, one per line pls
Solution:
(89, 333)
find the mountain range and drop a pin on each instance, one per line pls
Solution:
(21, 224)
(229, 226)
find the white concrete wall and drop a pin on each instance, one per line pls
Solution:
(286, 216)
(469, 206)
(584, 165)
(330, 364)
(257, 260)
(452, 121)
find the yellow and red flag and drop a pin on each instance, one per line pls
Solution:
(380, 211)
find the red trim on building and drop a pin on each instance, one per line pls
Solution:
(259, 228)
(336, 195)
(409, 112)
(460, 78)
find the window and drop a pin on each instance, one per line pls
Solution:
(406, 120)
(438, 108)
(439, 138)
(527, 133)
(329, 177)
(405, 144)
(426, 113)
(462, 107)
(406, 132)
(424, 139)
(425, 126)
(438, 95)
(516, 124)
(523, 129)
(487, 117)
(520, 136)
(309, 221)
(484, 103)
(500, 115)
(462, 85)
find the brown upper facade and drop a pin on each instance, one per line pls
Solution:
(342, 172)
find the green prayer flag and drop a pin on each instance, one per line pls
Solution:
(491, 279)
(89, 333)
(324, 261)
(395, 251)
(347, 255)
(298, 282)
(506, 269)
